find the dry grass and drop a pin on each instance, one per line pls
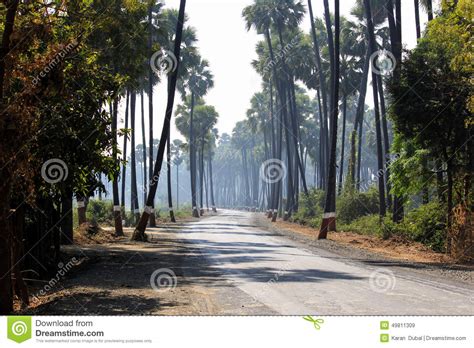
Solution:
(395, 247)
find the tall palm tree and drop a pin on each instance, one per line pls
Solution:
(323, 93)
(352, 60)
(263, 16)
(380, 156)
(139, 233)
(329, 217)
(177, 160)
(189, 57)
(153, 11)
(198, 82)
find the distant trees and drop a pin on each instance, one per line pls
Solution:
(197, 82)
(196, 123)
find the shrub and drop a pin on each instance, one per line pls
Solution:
(100, 212)
(310, 207)
(353, 205)
(427, 224)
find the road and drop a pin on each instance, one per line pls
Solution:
(285, 277)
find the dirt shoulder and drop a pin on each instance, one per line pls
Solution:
(370, 249)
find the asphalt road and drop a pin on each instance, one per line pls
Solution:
(287, 278)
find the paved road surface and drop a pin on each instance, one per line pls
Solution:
(290, 279)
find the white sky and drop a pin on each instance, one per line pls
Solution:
(229, 48)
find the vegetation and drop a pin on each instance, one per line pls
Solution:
(75, 77)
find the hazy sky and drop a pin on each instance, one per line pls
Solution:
(229, 48)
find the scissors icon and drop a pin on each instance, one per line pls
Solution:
(316, 322)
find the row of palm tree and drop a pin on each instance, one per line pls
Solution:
(343, 53)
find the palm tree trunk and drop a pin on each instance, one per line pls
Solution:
(330, 39)
(201, 177)
(322, 91)
(395, 24)
(344, 118)
(386, 140)
(206, 184)
(272, 187)
(177, 187)
(192, 158)
(124, 154)
(143, 147)
(329, 217)
(358, 121)
(359, 151)
(150, 115)
(134, 188)
(139, 233)
(429, 5)
(280, 93)
(168, 176)
(417, 19)
(380, 160)
(211, 182)
(115, 189)
(322, 144)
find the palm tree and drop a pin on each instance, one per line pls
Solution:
(139, 233)
(380, 155)
(189, 57)
(323, 92)
(261, 16)
(177, 157)
(151, 78)
(199, 81)
(329, 217)
(352, 61)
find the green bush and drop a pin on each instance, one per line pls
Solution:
(425, 224)
(353, 205)
(100, 212)
(310, 207)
